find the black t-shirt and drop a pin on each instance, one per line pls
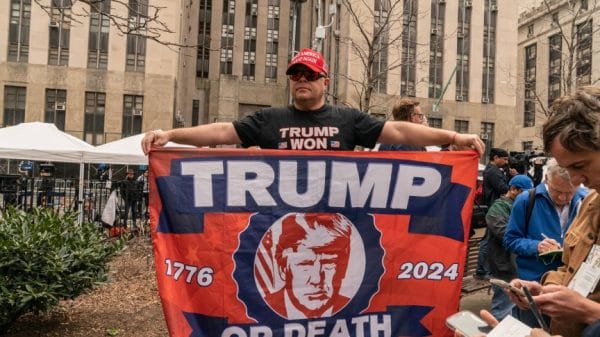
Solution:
(329, 128)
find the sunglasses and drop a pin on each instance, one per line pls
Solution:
(308, 75)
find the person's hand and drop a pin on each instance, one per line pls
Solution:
(487, 317)
(156, 137)
(512, 172)
(547, 244)
(534, 287)
(540, 333)
(560, 301)
(469, 141)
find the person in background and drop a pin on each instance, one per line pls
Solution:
(309, 123)
(495, 184)
(130, 192)
(572, 136)
(143, 182)
(495, 180)
(408, 110)
(500, 261)
(555, 204)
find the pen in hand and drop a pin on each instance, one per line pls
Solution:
(535, 310)
(552, 241)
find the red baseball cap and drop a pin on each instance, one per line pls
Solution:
(310, 58)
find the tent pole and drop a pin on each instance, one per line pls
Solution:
(80, 196)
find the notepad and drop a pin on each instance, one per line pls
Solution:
(510, 326)
(552, 253)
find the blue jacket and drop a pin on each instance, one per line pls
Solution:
(593, 330)
(523, 241)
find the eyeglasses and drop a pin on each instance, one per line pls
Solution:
(308, 75)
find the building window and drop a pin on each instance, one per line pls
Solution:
(487, 134)
(249, 65)
(436, 48)
(530, 84)
(584, 53)
(56, 107)
(60, 32)
(195, 112)
(93, 124)
(227, 33)
(463, 49)
(489, 51)
(409, 48)
(435, 122)
(380, 45)
(461, 126)
(554, 19)
(272, 52)
(133, 110)
(527, 146)
(14, 105)
(18, 31)
(136, 38)
(554, 67)
(98, 37)
(204, 24)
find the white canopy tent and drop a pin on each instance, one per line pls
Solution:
(45, 142)
(42, 142)
(126, 151)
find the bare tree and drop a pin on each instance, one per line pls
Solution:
(129, 17)
(570, 51)
(374, 44)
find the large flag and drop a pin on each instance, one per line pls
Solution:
(275, 243)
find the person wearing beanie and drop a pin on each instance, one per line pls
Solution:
(500, 262)
(310, 123)
(495, 184)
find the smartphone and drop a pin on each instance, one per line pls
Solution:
(468, 324)
(506, 285)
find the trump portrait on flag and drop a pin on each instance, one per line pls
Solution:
(310, 262)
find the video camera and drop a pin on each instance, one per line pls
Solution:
(521, 160)
(525, 160)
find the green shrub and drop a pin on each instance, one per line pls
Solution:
(45, 257)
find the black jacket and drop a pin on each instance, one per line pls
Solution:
(495, 184)
(131, 189)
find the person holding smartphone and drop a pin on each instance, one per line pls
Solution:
(572, 136)
(555, 205)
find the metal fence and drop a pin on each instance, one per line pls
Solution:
(62, 195)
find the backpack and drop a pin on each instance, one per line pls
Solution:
(529, 209)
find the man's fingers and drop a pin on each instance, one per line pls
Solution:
(488, 318)
(147, 141)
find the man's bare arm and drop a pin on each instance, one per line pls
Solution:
(396, 132)
(201, 135)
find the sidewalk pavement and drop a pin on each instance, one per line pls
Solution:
(476, 300)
